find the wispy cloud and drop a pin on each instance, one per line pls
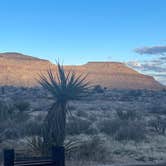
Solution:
(155, 67)
(154, 50)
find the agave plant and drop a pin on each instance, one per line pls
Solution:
(63, 87)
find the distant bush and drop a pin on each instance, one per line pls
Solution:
(109, 126)
(134, 93)
(132, 131)
(9, 112)
(127, 114)
(77, 126)
(92, 117)
(31, 128)
(82, 114)
(11, 133)
(3, 90)
(22, 105)
(124, 127)
(5, 111)
(158, 124)
(21, 117)
(71, 107)
(11, 121)
(98, 89)
(157, 109)
(9, 130)
(39, 118)
(92, 130)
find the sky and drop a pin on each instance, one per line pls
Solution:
(78, 31)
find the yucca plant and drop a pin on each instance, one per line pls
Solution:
(63, 87)
(37, 146)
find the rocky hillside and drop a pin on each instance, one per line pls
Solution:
(22, 70)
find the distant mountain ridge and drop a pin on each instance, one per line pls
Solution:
(21, 70)
(19, 56)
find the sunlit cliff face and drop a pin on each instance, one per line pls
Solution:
(22, 70)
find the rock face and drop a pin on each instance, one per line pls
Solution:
(22, 70)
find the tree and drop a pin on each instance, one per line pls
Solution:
(63, 87)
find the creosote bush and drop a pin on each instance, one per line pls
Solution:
(12, 121)
(82, 114)
(158, 124)
(31, 128)
(22, 105)
(134, 131)
(125, 126)
(127, 114)
(110, 126)
(77, 126)
(98, 89)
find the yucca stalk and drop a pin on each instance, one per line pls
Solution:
(63, 87)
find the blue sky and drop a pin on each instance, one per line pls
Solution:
(77, 31)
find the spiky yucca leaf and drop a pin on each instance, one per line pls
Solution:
(38, 148)
(65, 86)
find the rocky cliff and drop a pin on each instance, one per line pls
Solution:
(22, 70)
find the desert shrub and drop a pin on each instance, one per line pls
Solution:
(9, 130)
(11, 133)
(9, 112)
(92, 117)
(21, 117)
(71, 107)
(98, 89)
(92, 108)
(31, 128)
(132, 131)
(81, 113)
(6, 111)
(92, 130)
(109, 126)
(105, 107)
(11, 121)
(134, 93)
(158, 124)
(77, 126)
(123, 129)
(39, 118)
(22, 105)
(3, 90)
(127, 114)
(92, 149)
(4, 115)
(157, 108)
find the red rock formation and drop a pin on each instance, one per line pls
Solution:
(21, 70)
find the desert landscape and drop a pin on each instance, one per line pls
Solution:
(22, 70)
(121, 120)
(82, 83)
